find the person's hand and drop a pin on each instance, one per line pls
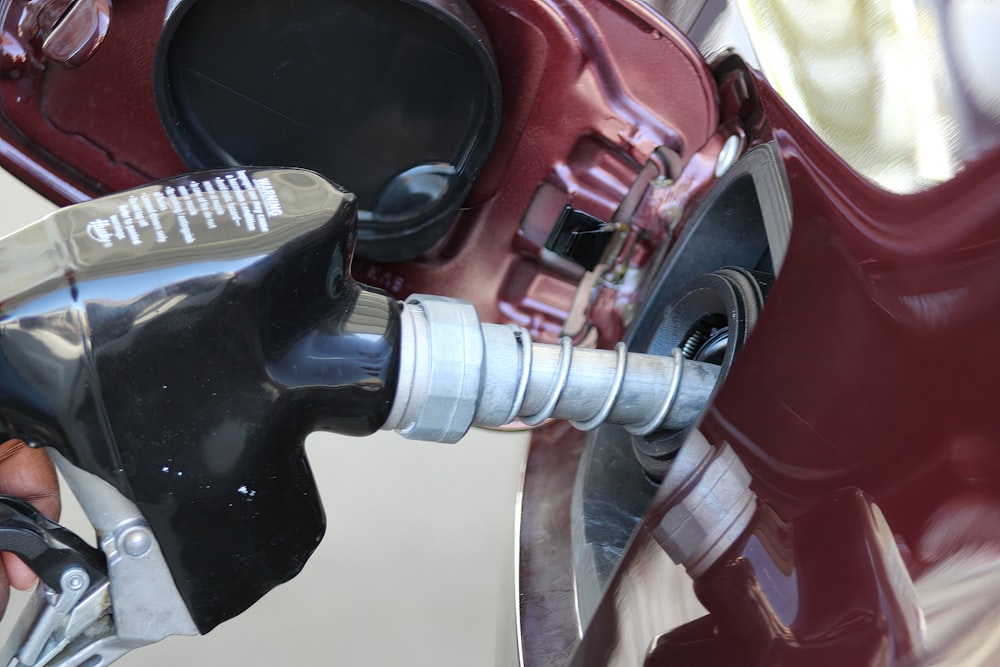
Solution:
(29, 474)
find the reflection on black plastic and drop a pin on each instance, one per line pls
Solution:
(180, 340)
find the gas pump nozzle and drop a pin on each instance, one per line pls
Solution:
(174, 344)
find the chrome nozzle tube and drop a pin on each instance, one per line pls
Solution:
(456, 373)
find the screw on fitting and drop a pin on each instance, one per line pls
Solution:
(69, 31)
(440, 369)
(707, 504)
(456, 373)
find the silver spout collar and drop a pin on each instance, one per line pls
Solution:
(456, 373)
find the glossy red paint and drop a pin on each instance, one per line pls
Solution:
(580, 115)
(70, 31)
(871, 389)
(852, 379)
(579, 126)
(872, 367)
(772, 603)
(72, 134)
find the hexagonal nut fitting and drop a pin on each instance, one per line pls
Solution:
(441, 366)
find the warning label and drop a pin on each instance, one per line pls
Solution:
(190, 210)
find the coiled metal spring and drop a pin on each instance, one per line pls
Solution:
(557, 388)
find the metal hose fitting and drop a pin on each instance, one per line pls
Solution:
(456, 372)
(705, 504)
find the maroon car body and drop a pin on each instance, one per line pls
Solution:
(861, 405)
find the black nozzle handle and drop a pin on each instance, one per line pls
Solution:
(45, 546)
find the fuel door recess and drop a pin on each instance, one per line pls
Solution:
(396, 100)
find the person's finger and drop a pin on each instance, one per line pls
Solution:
(29, 474)
(4, 592)
(17, 573)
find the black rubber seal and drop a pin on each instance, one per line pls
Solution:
(396, 100)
